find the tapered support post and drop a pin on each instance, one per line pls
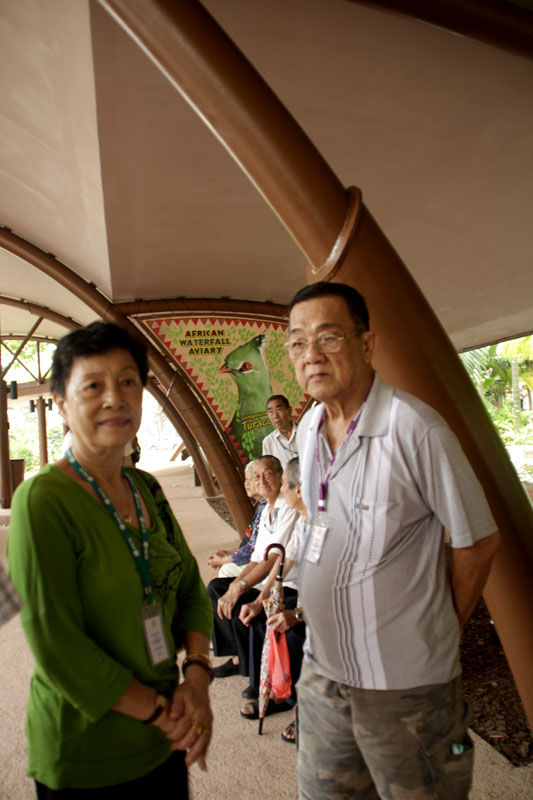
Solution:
(6, 490)
(43, 439)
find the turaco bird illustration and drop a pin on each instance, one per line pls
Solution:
(248, 369)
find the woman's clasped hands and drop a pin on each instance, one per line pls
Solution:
(188, 720)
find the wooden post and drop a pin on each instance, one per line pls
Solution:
(41, 421)
(6, 486)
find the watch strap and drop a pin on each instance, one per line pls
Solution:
(161, 704)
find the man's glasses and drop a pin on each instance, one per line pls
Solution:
(324, 343)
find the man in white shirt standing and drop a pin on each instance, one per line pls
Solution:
(381, 708)
(282, 441)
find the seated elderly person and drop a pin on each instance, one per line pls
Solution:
(232, 562)
(290, 619)
(230, 636)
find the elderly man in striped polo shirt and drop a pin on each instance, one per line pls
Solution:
(381, 709)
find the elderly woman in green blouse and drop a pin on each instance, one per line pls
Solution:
(111, 592)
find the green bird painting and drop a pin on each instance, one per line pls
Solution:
(249, 424)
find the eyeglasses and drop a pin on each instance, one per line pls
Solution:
(324, 343)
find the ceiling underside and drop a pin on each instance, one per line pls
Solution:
(105, 165)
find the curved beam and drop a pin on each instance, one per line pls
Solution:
(67, 322)
(414, 352)
(17, 337)
(39, 311)
(225, 469)
(501, 24)
(196, 305)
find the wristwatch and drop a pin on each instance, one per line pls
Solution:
(243, 582)
(299, 614)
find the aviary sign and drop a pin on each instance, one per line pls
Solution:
(235, 363)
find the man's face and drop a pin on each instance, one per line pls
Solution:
(249, 484)
(267, 480)
(330, 377)
(292, 496)
(279, 414)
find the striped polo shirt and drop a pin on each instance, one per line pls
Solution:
(378, 604)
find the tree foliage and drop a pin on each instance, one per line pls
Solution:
(503, 376)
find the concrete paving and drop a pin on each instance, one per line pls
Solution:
(239, 760)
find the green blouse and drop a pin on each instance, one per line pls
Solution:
(82, 598)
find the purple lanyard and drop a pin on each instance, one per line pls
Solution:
(323, 483)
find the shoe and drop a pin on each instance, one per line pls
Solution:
(250, 693)
(289, 734)
(272, 708)
(226, 669)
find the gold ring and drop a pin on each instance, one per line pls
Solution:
(200, 729)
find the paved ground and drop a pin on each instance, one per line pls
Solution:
(239, 761)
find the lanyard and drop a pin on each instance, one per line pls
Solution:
(323, 482)
(142, 561)
(287, 446)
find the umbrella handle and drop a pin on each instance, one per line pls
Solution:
(260, 729)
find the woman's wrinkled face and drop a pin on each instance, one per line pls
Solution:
(103, 400)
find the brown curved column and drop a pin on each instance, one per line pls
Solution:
(415, 354)
(329, 224)
(227, 472)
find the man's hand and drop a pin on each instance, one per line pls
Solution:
(249, 611)
(226, 603)
(216, 560)
(283, 621)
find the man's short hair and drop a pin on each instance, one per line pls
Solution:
(355, 302)
(249, 469)
(292, 473)
(281, 398)
(275, 462)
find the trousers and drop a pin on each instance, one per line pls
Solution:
(410, 744)
(171, 772)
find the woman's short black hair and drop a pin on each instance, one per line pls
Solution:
(355, 301)
(98, 337)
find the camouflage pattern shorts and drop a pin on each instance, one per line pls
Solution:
(411, 744)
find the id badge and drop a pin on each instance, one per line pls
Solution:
(316, 540)
(154, 634)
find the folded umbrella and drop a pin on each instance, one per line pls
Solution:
(274, 641)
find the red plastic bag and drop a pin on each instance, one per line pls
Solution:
(279, 665)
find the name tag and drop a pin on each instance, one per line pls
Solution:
(316, 540)
(154, 634)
